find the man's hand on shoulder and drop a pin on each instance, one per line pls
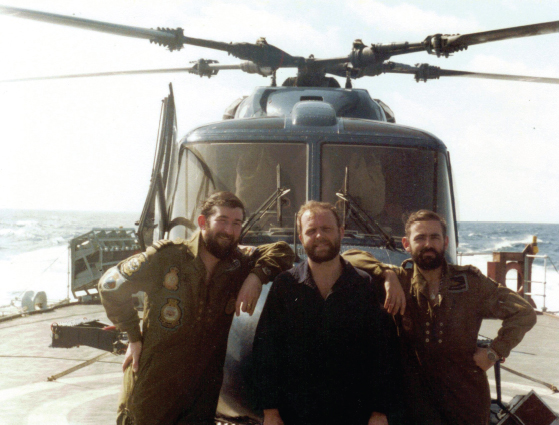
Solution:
(378, 419)
(482, 360)
(133, 353)
(249, 294)
(272, 417)
(395, 297)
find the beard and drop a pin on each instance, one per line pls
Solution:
(427, 262)
(331, 253)
(219, 247)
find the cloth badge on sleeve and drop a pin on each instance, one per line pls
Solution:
(171, 280)
(171, 313)
(111, 281)
(133, 264)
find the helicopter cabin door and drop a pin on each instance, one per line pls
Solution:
(154, 220)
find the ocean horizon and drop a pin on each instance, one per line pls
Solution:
(34, 249)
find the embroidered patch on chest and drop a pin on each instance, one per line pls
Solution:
(171, 280)
(171, 313)
(458, 283)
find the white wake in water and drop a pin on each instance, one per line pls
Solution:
(41, 270)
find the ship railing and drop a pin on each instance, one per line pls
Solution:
(527, 283)
(460, 255)
(543, 282)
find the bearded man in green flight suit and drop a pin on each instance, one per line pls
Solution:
(443, 306)
(173, 368)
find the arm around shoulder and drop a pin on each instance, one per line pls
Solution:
(366, 261)
(385, 277)
(271, 260)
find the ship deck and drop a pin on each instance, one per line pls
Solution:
(89, 395)
(536, 356)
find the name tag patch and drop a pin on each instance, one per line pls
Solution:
(458, 283)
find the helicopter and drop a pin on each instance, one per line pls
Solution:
(503, 113)
(307, 140)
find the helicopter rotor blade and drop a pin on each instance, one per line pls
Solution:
(424, 72)
(159, 36)
(203, 68)
(368, 60)
(261, 53)
(444, 45)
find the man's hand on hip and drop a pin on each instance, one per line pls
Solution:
(133, 353)
(481, 359)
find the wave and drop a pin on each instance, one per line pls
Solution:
(41, 270)
(509, 243)
(23, 223)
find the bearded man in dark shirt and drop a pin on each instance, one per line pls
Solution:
(324, 350)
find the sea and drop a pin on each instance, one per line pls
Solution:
(34, 251)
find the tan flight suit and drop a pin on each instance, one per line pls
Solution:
(439, 339)
(185, 328)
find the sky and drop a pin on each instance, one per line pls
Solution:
(88, 144)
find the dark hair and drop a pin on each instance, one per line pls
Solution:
(220, 199)
(313, 207)
(425, 215)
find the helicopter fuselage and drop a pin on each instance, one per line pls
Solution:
(289, 145)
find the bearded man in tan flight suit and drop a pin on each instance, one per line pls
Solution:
(192, 290)
(444, 370)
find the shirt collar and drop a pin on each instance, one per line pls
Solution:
(421, 284)
(193, 244)
(303, 275)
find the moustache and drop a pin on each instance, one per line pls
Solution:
(225, 236)
(322, 243)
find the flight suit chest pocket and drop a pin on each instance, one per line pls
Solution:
(457, 317)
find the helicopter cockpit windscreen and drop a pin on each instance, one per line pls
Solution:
(387, 183)
(252, 171)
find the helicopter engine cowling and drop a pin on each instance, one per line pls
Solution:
(251, 68)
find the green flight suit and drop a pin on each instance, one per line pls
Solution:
(185, 326)
(439, 339)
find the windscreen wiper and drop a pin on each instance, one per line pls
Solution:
(268, 203)
(369, 224)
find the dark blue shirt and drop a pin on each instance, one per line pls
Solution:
(325, 361)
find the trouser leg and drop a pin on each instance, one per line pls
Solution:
(202, 410)
(124, 416)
